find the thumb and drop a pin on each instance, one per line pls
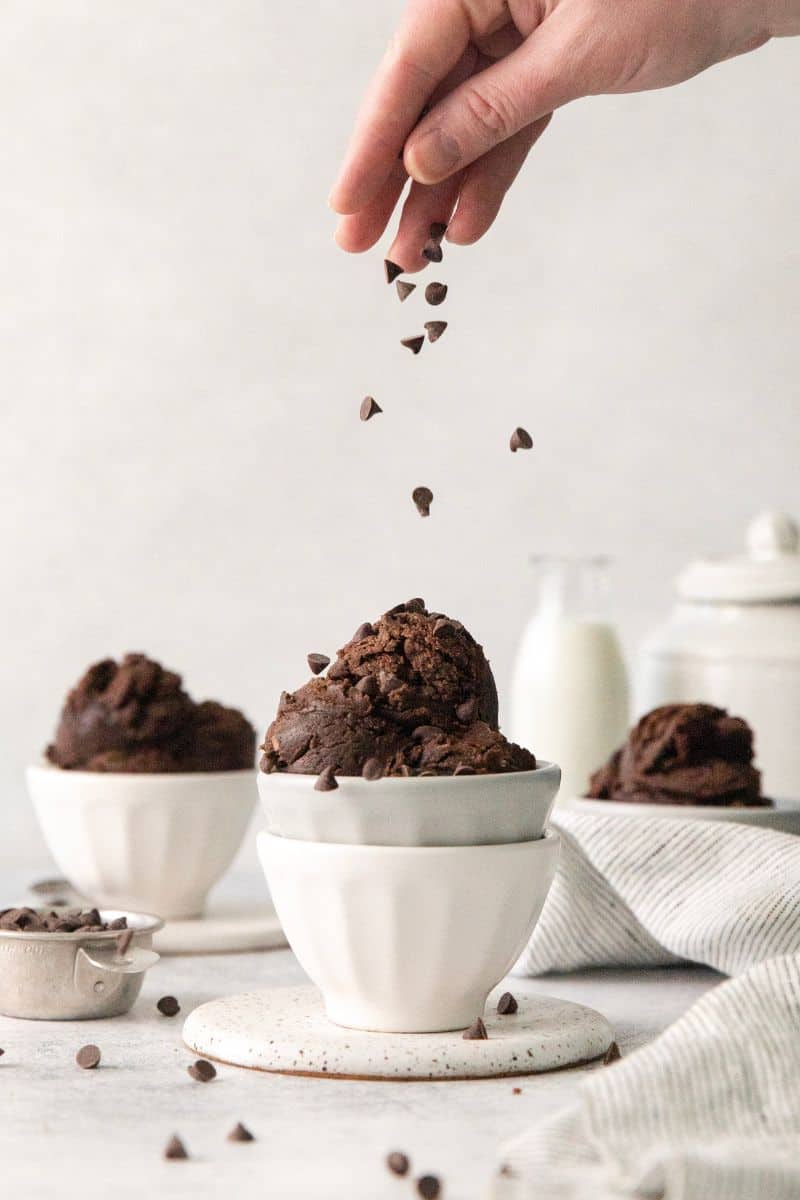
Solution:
(549, 69)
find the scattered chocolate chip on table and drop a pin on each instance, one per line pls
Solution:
(520, 440)
(428, 1187)
(398, 1163)
(240, 1133)
(435, 329)
(476, 1032)
(88, 1057)
(423, 498)
(435, 293)
(168, 1006)
(326, 781)
(506, 1005)
(175, 1148)
(414, 344)
(369, 408)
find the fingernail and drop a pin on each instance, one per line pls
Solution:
(433, 155)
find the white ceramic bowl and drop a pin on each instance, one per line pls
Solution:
(153, 843)
(407, 939)
(436, 810)
(784, 815)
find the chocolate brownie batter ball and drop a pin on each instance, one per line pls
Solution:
(683, 754)
(135, 717)
(409, 671)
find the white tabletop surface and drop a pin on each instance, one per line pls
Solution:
(71, 1133)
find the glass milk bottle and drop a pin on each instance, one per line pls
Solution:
(569, 699)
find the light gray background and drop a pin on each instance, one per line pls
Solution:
(184, 350)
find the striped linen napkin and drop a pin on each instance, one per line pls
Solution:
(711, 1109)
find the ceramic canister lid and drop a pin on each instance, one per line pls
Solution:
(769, 571)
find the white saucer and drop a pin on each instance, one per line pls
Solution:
(286, 1030)
(784, 815)
(228, 926)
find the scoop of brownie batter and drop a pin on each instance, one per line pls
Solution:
(683, 754)
(409, 671)
(135, 717)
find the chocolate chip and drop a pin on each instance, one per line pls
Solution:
(168, 1006)
(65, 927)
(435, 329)
(123, 943)
(464, 769)
(240, 1133)
(368, 686)
(507, 1005)
(398, 1163)
(388, 682)
(47, 887)
(432, 251)
(435, 293)
(92, 917)
(476, 1032)
(423, 498)
(416, 605)
(414, 344)
(175, 1148)
(428, 1187)
(326, 781)
(372, 769)
(424, 733)
(466, 711)
(391, 270)
(443, 625)
(2, 1052)
(369, 408)
(202, 1071)
(365, 630)
(517, 1091)
(118, 923)
(520, 440)
(404, 289)
(437, 231)
(317, 663)
(613, 1053)
(88, 1057)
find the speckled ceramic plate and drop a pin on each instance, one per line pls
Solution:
(286, 1030)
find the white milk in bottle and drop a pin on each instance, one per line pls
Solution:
(569, 699)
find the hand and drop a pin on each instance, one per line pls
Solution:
(490, 75)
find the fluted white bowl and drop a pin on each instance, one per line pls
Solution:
(155, 843)
(407, 939)
(436, 810)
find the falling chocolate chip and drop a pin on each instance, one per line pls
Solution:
(520, 440)
(168, 1006)
(372, 769)
(47, 887)
(369, 408)
(437, 231)
(88, 1057)
(398, 1163)
(423, 498)
(466, 711)
(432, 251)
(124, 943)
(240, 1133)
(326, 781)
(435, 329)
(404, 289)
(464, 769)
(414, 344)
(175, 1148)
(435, 293)
(202, 1071)
(391, 270)
(613, 1053)
(317, 663)
(428, 1187)
(476, 1032)
(363, 631)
